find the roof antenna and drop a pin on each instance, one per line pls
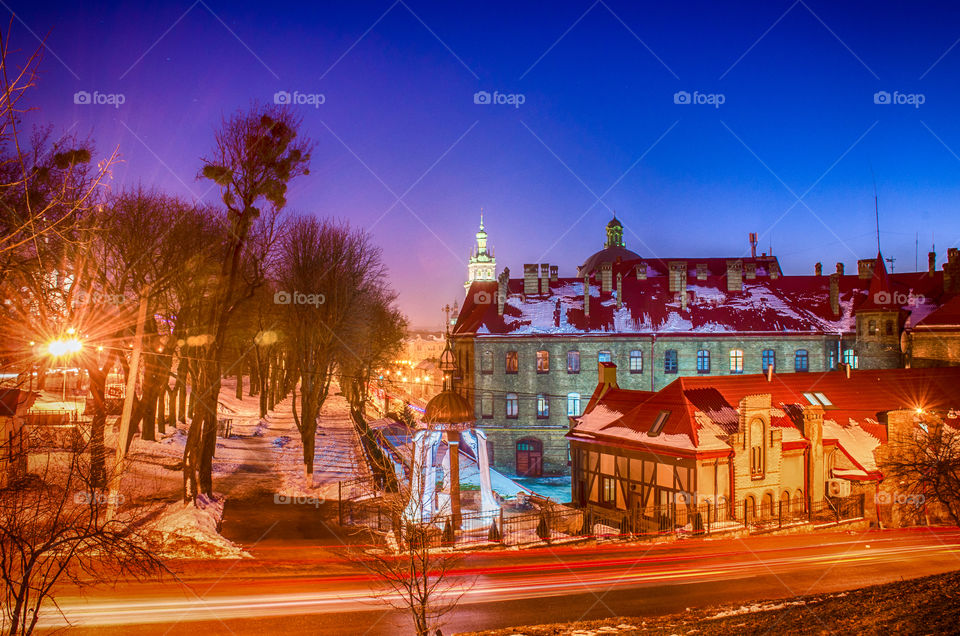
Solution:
(876, 207)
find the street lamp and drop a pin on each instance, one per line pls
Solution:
(64, 347)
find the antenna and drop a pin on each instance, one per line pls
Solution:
(891, 261)
(876, 207)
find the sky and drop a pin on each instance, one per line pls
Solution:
(697, 122)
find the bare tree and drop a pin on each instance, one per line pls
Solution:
(55, 526)
(255, 156)
(924, 461)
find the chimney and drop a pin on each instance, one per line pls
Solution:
(678, 275)
(530, 284)
(753, 244)
(608, 375)
(554, 271)
(770, 373)
(750, 271)
(931, 262)
(846, 368)
(840, 268)
(619, 290)
(951, 272)
(865, 268)
(642, 270)
(701, 271)
(835, 294)
(502, 280)
(586, 296)
(683, 300)
(734, 275)
(606, 278)
(545, 279)
(774, 270)
(818, 269)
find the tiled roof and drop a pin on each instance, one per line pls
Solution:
(947, 316)
(703, 409)
(790, 304)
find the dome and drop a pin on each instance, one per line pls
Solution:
(606, 255)
(448, 408)
(615, 222)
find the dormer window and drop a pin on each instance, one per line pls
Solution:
(658, 423)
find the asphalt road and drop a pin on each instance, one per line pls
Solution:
(313, 590)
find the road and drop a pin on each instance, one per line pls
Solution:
(301, 590)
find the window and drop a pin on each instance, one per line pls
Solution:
(573, 404)
(486, 405)
(850, 357)
(889, 328)
(832, 360)
(703, 361)
(801, 362)
(609, 490)
(636, 361)
(768, 359)
(756, 448)
(736, 361)
(872, 328)
(543, 407)
(658, 423)
(486, 362)
(823, 399)
(513, 406)
(817, 399)
(604, 356)
(670, 361)
(543, 361)
(573, 362)
(513, 362)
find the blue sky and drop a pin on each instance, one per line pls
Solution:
(598, 128)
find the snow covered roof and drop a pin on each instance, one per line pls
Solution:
(767, 303)
(700, 412)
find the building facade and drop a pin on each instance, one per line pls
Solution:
(529, 347)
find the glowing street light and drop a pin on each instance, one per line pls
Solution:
(59, 348)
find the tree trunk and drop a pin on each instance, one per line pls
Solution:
(254, 377)
(181, 387)
(239, 392)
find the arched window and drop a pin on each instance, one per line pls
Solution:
(766, 508)
(512, 362)
(768, 359)
(670, 361)
(543, 407)
(757, 453)
(749, 508)
(636, 361)
(486, 362)
(543, 361)
(801, 361)
(573, 362)
(703, 361)
(736, 361)
(785, 501)
(573, 404)
(512, 406)
(486, 405)
(799, 504)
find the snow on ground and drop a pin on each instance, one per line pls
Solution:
(756, 607)
(187, 531)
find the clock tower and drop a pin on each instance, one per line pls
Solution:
(482, 265)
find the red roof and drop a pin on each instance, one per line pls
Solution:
(947, 315)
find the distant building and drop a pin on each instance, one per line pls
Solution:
(751, 445)
(482, 265)
(529, 347)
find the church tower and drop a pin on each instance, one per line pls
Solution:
(614, 233)
(483, 264)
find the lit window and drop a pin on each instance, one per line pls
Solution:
(513, 362)
(703, 361)
(801, 361)
(604, 356)
(872, 328)
(670, 361)
(658, 423)
(543, 361)
(573, 362)
(486, 405)
(513, 406)
(636, 361)
(543, 407)
(851, 358)
(736, 361)
(486, 362)
(609, 489)
(573, 404)
(832, 360)
(756, 448)
(768, 359)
